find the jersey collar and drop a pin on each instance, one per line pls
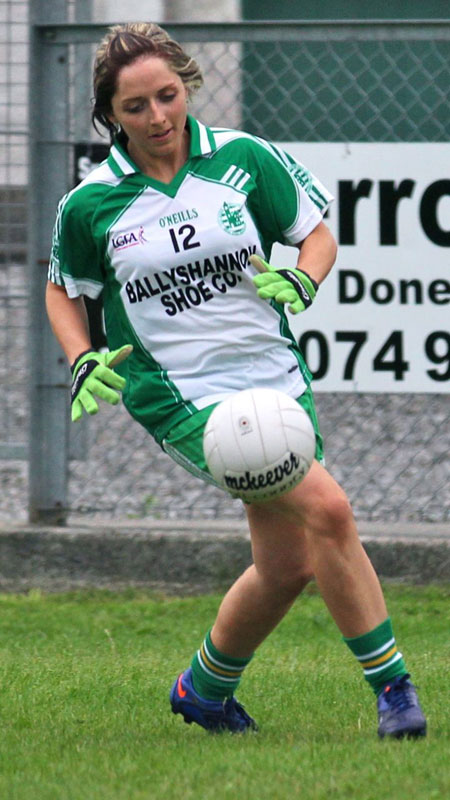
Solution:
(202, 144)
(202, 138)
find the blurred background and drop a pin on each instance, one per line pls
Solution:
(327, 73)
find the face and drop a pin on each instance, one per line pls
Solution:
(150, 104)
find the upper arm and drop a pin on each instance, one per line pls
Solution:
(320, 233)
(290, 196)
(75, 260)
(317, 252)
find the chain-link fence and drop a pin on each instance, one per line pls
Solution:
(379, 89)
(13, 235)
(287, 82)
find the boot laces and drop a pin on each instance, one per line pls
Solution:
(234, 710)
(400, 695)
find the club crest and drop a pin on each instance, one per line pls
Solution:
(231, 219)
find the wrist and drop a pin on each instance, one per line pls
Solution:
(76, 362)
(310, 278)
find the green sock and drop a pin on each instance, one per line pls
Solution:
(378, 655)
(215, 675)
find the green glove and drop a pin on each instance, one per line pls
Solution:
(293, 286)
(92, 374)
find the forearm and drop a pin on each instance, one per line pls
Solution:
(317, 253)
(69, 321)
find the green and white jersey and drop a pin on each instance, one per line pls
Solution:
(172, 261)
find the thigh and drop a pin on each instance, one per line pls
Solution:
(317, 504)
(279, 543)
(184, 442)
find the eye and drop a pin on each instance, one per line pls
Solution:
(134, 109)
(167, 98)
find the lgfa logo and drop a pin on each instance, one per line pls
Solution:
(128, 239)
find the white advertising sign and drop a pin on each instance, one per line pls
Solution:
(380, 322)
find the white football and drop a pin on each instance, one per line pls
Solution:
(259, 444)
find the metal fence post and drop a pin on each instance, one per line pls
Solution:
(82, 78)
(49, 129)
(82, 75)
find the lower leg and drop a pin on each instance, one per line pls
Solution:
(347, 580)
(262, 596)
(254, 605)
(352, 592)
(250, 610)
(344, 574)
(348, 584)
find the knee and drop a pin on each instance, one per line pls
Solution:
(293, 584)
(289, 582)
(332, 515)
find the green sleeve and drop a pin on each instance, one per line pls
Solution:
(76, 261)
(287, 201)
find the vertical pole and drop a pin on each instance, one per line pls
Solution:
(82, 78)
(82, 83)
(49, 376)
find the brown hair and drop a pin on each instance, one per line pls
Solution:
(123, 45)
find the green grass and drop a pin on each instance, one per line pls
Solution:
(85, 714)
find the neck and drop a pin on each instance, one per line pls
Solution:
(164, 168)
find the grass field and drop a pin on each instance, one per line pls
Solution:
(85, 715)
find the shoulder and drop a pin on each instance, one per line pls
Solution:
(82, 201)
(271, 164)
(257, 156)
(230, 141)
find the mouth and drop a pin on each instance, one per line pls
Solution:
(161, 137)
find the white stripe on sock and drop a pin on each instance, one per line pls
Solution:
(372, 670)
(377, 652)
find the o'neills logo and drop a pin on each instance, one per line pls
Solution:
(128, 239)
(271, 477)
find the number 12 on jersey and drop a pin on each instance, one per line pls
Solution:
(182, 238)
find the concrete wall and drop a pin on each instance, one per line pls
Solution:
(129, 11)
(186, 557)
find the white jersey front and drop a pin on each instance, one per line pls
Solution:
(172, 262)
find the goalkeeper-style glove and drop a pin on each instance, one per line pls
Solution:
(92, 374)
(293, 286)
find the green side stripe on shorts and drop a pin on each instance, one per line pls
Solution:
(184, 442)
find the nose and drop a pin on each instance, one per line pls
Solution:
(157, 114)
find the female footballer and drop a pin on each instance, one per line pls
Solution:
(176, 228)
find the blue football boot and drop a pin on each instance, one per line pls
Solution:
(210, 714)
(399, 711)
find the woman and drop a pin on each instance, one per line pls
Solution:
(175, 228)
